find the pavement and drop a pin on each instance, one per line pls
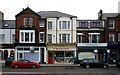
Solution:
(59, 65)
(66, 65)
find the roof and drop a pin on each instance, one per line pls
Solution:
(51, 14)
(6, 24)
(105, 15)
(26, 10)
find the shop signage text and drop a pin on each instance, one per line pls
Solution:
(60, 48)
(92, 44)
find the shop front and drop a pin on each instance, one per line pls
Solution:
(37, 54)
(114, 54)
(92, 50)
(61, 53)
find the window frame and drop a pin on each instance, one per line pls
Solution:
(22, 36)
(111, 24)
(91, 37)
(49, 38)
(64, 24)
(25, 22)
(42, 37)
(64, 39)
(49, 24)
(42, 23)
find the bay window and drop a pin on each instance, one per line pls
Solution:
(27, 36)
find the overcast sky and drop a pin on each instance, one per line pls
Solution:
(83, 9)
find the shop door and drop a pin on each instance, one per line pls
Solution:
(50, 58)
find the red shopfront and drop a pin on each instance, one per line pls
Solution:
(61, 53)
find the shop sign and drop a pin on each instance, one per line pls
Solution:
(92, 44)
(60, 48)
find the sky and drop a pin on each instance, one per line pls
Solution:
(83, 9)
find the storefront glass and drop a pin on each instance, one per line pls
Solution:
(64, 56)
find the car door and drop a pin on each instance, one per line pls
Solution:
(97, 63)
(91, 63)
(25, 63)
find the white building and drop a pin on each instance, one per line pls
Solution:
(61, 37)
(7, 38)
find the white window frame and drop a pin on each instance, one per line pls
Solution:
(90, 37)
(50, 27)
(18, 57)
(40, 37)
(48, 38)
(67, 25)
(25, 21)
(27, 31)
(113, 24)
(31, 21)
(80, 35)
(67, 38)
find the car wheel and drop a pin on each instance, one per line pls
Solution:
(105, 66)
(87, 66)
(16, 66)
(33, 66)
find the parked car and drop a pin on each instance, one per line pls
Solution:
(118, 64)
(90, 62)
(24, 63)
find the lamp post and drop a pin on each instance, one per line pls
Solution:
(95, 51)
(108, 51)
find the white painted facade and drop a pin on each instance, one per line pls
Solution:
(8, 36)
(58, 29)
(55, 31)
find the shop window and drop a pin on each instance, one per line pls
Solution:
(64, 56)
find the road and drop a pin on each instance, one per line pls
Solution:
(61, 71)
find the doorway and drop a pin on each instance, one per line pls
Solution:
(50, 57)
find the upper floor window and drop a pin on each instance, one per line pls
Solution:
(94, 37)
(111, 37)
(64, 24)
(30, 21)
(42, 23)
(2, 38)
(27, 36)
(79, 37)
(25, 21)
(41, 37)
(13, 38)
(111, 24)
(49, 25)
(64, 38)
(49, 38)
